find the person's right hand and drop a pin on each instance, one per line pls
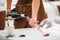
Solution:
(33, 22)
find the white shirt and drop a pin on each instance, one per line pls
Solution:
(2, 5)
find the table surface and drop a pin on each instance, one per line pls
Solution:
(33, 34)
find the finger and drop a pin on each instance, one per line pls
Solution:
(31, 24)
(36, 22)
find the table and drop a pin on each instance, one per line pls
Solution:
(33, 34)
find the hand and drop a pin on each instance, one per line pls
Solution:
(33, 22)
(8, 11)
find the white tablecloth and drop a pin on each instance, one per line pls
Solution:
(33, 34)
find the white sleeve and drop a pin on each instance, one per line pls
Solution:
(2, 5)
(14, 2)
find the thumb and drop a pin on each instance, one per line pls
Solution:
(37, 22)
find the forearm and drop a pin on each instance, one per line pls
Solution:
(35, 8)
(9, 4)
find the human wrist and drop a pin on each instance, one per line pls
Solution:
(34, 19)
(8, 10)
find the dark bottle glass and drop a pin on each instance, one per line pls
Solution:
(16, 15)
